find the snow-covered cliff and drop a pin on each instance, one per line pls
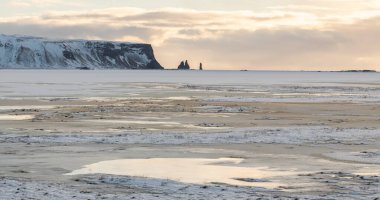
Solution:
(24, 52)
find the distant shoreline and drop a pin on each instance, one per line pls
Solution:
(354, 71)
(241, 70)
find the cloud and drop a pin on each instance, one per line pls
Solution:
(29, 3)
(79, 31)
(347, 46)
(223, 39)
(163, 24)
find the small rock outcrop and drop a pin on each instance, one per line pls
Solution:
(201, 66)
(184, 65)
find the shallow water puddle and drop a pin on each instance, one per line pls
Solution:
(188, 170)
(179, 98)
(15, 117)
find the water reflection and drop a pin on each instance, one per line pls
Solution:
(198, 171)
(15, 117)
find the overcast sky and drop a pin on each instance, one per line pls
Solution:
(223, 34)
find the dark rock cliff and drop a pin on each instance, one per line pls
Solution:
(184, 66)
(32, 52)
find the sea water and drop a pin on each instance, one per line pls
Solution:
(262, 85)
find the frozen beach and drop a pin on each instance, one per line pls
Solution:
(189, 135)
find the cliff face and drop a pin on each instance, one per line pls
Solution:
(21, 52)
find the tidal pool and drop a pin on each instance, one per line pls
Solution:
(189, 170)
(15, 117)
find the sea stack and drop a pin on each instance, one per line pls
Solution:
(184, 65)
(201, 66)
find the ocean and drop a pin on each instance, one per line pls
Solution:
(118, 83)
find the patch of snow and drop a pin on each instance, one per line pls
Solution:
(103, 187)
(369, 156)
(288, 135)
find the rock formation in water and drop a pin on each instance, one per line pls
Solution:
(24, 52)
(184, 65)
(201, 66)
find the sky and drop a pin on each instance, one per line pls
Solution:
(222, 34)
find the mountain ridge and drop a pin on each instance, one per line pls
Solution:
(29, 52)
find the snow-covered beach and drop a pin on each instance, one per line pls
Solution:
(305, 135)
